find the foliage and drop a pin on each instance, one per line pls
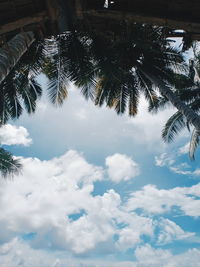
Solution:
(188, 91)
(20, 90)
(8, 164)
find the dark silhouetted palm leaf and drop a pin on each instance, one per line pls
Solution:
(173, 126)
(54, 70)
(8, 164)
(20, 90)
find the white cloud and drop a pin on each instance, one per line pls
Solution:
(159, 201)
(130, 235)
(148, 256)
(13, 135)
(170, 231)
(82, 114)
(54, 200)
(121, 168)
(168, 160)
(164, 160)
(17, 253)
(77, 113)
(147, 127)
(49, 192)
(184, 149)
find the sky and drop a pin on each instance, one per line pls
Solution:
(98, 190)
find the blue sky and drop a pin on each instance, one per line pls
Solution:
(98, 189)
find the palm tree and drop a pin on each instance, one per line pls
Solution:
(80, 60)
(115, 66)
(8, 164)
(20, 88)
(148, 60)
(177, 122)
(12, 52)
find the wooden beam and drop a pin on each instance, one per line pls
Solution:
(79, 9)
(132, 17)
(17, 24)
(52, 9)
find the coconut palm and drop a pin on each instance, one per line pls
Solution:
(117, 64)
(69, 60)
(84, 63)
(20, 89)
(151, 62)
(177, 122)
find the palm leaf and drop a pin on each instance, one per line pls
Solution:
(8, 165)
(173, 126)
(194, 142)
(57, 91)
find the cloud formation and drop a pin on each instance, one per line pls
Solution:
(170, 161)
(55, 209)
(121, 168)
(45, 201)
(14, 135)
(159, 201)
(148, 256)
(18, 253)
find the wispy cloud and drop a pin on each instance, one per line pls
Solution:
(170, 160)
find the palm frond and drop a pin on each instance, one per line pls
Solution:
(159, 103)
(103, 90)
(194, 142)
(133, 101)
(57, 91)
(8, 164)
(173, 126)
(54, 68)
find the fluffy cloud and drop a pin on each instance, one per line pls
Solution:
(13, 135)
(121, 168)
(53, 199)
(18, 253)
(159, 201)
(148, 256)
(52, 206)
